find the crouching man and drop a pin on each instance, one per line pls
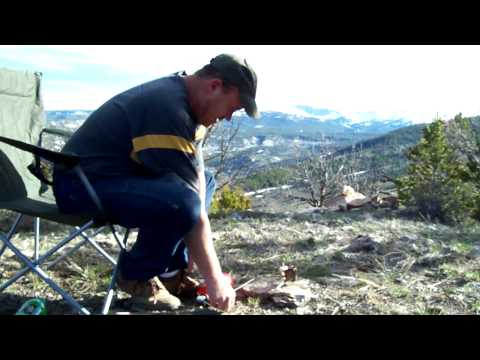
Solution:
(142, 152)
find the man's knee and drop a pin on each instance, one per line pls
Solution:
(190, 209)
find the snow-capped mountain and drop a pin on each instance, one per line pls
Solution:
(298, 120)
(308, 120)
(277, 136)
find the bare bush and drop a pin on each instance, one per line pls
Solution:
(322, 175)
(224, 134)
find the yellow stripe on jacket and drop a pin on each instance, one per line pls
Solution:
(163, 142)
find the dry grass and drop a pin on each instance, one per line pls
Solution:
(418, 268)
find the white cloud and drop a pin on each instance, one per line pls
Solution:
(152, 60)
(416, 82)
(61, 95)
(35, 57)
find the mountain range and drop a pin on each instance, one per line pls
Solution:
(306, 122)
(276, 137)
(311, 123)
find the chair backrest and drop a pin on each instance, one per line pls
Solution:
(21, 118)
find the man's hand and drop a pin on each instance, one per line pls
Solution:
(220, 292)
(200, 245)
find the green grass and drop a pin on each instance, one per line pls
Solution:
(428, 310)
(399, 291)
(475, 307)
(316, 271)
(359, 283)
(472, 275)
(253, 302)
(307, 244)
(459, 271)
(37, 284)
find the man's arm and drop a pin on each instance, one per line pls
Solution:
(199, 241)
(200, 245)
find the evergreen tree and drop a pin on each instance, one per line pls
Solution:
(464, 133)
(435, 181)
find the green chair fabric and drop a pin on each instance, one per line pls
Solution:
(22, 118)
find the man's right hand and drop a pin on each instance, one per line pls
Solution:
(220, 292)
(200, 245)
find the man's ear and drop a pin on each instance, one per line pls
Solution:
(215, 83)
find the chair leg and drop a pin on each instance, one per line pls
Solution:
(36, 225)
(33, 267)
(44, 257)
(86, 238)
(66, 254)
(11, 232)
(112, 286)
(2, 249)
(97, 247)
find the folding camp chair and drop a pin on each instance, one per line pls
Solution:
(25, 189)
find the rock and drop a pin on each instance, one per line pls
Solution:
(260, 288)
(292, 295)
(363, 243)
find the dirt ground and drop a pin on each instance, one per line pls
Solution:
(359, 262)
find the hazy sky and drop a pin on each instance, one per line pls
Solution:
(413, 82)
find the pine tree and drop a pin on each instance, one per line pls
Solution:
(435, 178)
(465, 135)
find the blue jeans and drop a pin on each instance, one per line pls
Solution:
(164, 209)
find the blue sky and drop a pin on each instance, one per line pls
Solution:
(360, 82)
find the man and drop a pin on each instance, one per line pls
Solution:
(142, 152)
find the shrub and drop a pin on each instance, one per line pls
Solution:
(230, 200)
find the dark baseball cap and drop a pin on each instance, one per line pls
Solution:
(237, 72)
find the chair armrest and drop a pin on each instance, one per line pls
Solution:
(68, 160)
(59, 132)
(64, 133)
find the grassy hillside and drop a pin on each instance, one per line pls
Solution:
(410, 266)
(385, 152)
(394, 141)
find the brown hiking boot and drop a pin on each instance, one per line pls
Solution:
(182, 285)
(150, 294)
